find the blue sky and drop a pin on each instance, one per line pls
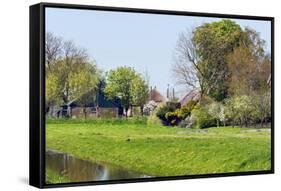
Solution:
(143, 41)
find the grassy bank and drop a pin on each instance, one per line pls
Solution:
(161, 151)
(53, 177)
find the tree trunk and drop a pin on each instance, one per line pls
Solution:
(85, 112)
(141, 110)
(262, 120)
(131, 111)
(126, 112)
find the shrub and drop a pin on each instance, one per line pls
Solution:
(153, 120)
(163, 109)
(202, 117)
(217, 111)
(172, 118)
(185, 110)
(149, 107)
(240, 110)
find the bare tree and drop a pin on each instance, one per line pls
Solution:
(53, 49)
(188, 69)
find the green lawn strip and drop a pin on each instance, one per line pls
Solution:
(161, 151)
(52, 177)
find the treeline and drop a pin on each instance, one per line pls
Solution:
(228, 65)
(71, 75)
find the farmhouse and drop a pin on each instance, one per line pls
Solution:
(97, 106)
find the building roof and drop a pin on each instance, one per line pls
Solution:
(100, 101)
(192, 95)
(156, 96)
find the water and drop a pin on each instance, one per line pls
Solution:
(78, 170)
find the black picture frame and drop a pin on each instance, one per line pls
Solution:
(37, 92)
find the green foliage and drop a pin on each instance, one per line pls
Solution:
(52, 89)
(69, 81)
(140, 92)
(217, 37)
(214, 41)
(175, 117)
(119, 84)
(202, 117)
(240, 109)
(185, 110)
(83, 80)
(262, 107)
(217, 111)
(172, 118)
(164, 109)
(125, 83)
(153, 120)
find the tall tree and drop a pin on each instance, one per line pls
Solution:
(119, 84)
(200, 57)
(214, 41)
(129, 86)
(66, 63)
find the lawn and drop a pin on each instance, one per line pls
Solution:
(159, 150)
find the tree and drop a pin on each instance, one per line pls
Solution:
(69, 73)
(249, 66)
(200, 57)
(53, 49)
(63, 58)
(119, 84)
(52, 89)
(240, 109)
(186, 69)
(216, 110)
(249, 74)
(83, 83)
(262, 105)
(214, 41)
(140, 92)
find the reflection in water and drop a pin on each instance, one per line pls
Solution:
(78, 170)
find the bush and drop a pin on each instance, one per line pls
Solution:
(202, 117)
(172, 118)
(188, 122)
(185, 110)
(149, 107)
(153, 120)
(240, 110)
(163, 109)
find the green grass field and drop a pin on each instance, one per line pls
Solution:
(159, 150)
